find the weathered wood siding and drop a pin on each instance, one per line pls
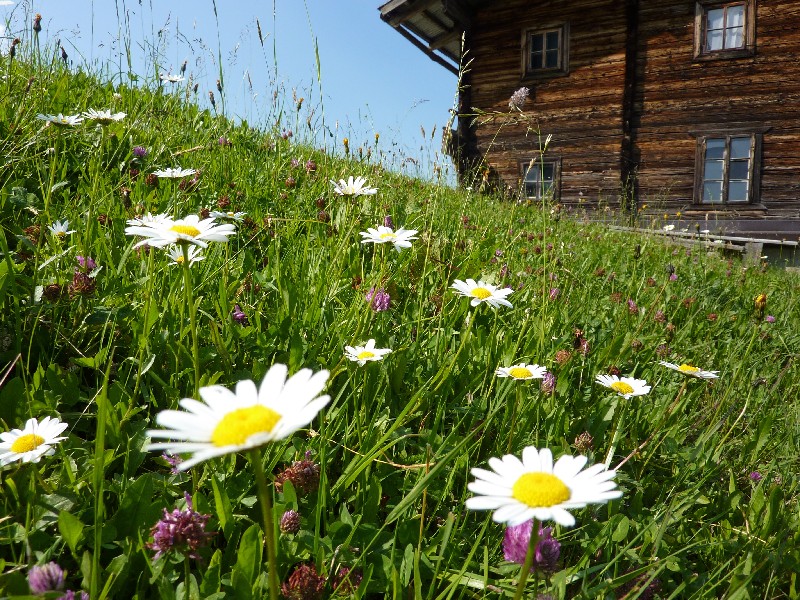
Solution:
(582, 110)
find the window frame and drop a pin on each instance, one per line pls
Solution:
(753, 199)
(563, 51)
(535, 166)
(748, 48)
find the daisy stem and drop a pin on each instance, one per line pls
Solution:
(517, 404)
(615, 435)
(269, 527)
(530, 555)
(187, 279)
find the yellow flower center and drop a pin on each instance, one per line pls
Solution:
(365, 354)
(684, 368)
(237, 426)
(231, 214)
(189, 230)
(61, 234)
(481, 293)
(387, 236)
(26, 443)
(520, 372)
(180, 259)
(621, 387)
(540, 489)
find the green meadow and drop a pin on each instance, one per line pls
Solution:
(365, 496)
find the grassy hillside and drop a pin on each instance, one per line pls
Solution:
(708, 469)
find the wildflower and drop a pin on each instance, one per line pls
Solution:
(660, 317)
(176, 173)
(170, 78)
(632, 308)
(353, 187)
(290, 522)
(224, 142)
(229, 215)
(190, 230)
(104, 117)
(365, 353)
(627, 387)
(175, 254)
(82, 284)
(304, 584)
(37, 23)
(139, 151)
(47, 578)
(769, 319)
(311, 166)
(668, 227)
(31, 443)
(181, 530)
(387, 222)
(548, 385)
(53, 292)
(521, 372)
(61, 120)
(760, 304)
(482, 292)
(290, 182)
(554, 293)
(520, 490)
(663, 350)
(516, 540)
(518, 98)
(347, 580)
(755, 476)
(303, 474)
(673, 277)
(60, 229)
(584, 442)
(562, 356)
(379, 300)
(86, 263)
(691, 371)
(248, 418)
(382, 235)
(173, 461)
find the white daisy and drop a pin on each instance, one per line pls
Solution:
(521, 371)
(690, 370)
(367, 352)
(170, 78)
(230, 215)
(227, 422)
(33, 442)
(61, 120)
(383, 235)
(60, 229)
(190, 230)
(520, 490)
(482, 292)
(352, 187)
(668, 227)
(176, 254)
(176, 173)
(149, 219)
(104, 117)
(627, 387)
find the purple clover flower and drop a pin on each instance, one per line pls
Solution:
(239, 316)
(548, 385)
(181, 530)
(290, 522)
(139, 151)
(379, 300)
(673, 277)
(769, 319)
(548, 548)
(295, 163)
(86, 263)
(755, 476)
(387, 221)
(47, 578)
(554, 293)
(518, 98)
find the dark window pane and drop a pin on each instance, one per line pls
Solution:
(713, 170)
(740, 147)
(739, 169)
(530, 190)
(712, 191)
(551, 59)
(548, 169)
(536, 61)
(715, 148)
(537, 42)
(737, 191)
(552, 40)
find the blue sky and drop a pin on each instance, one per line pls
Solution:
(372, 79)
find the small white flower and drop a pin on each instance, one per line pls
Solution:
(520, 490)
(190, 230)
(367, 352)
(227, 422)
(149, 220)
(352, 187)
(61, 120)
(104, 117)
(481, 291)
(174, 173)
(175, 253)
(521, 371)
(230, 215)
(627, 387)
(691, 371)
(32, 443)
(668, 227)
(386, 235)
(60, 229)
(170, 78)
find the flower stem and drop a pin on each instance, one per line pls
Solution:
(615, 434)
(189, 291)
(517, 404)
(187, 573)
(530, 555)
(267, 516)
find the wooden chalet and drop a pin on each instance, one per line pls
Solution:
(689, 106)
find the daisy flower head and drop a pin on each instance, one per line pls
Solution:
(534, 487)
(367, 352)
(60, 229)
(230, 215)
(149, 220)
(61, 120)
(189, 230)
(170, 78)
(481, 291)
(521, 372)
(353, 187)
(175, 253)
(627, 387)
(31, 443)
(690, 370)
(231, 421)
(104, 117)
(386, 235)
(176, 173)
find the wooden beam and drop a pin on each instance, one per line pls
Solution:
(406, 33)
(444, 39)
(413, 11)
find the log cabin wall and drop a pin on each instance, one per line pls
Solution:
(582, 109)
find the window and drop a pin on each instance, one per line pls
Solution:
(728, 169)
(545, 51)
(724, 30)
(540, 178)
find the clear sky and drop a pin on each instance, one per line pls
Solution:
(372, 79)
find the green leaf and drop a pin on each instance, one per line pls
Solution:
(248, 563)
(135, 510)
(621, 532)
(71, 529)
(211, 578)
(223, 505)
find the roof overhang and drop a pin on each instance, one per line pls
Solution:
(433, 26)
